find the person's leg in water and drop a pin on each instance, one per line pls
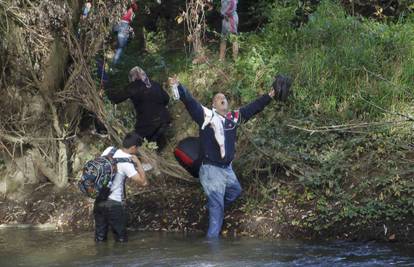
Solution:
(213, 180)
(118, 220)
(101, 221)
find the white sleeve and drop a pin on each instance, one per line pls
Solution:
(127, 168)
(106, 151)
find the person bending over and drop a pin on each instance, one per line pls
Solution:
(150, 103)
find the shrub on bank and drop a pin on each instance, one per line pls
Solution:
(338, 149)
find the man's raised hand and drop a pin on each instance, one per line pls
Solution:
(173, 80)
(272, 93)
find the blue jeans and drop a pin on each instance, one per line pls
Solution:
(221, 188)
(123, 35)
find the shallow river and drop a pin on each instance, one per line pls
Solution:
(24, 247)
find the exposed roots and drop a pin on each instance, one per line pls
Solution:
(40, 116)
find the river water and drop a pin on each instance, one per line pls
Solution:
(25, 247)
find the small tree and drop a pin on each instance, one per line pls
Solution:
(195, 21)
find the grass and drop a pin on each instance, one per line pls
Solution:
(347, 71)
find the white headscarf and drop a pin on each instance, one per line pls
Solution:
(137, 73)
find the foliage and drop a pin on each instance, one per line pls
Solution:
(340, 136)
(338, 151)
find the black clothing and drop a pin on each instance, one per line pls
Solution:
(281, 85)
(152, 116)
(110, 213)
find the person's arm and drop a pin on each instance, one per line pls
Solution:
(165, 96)
(139, 177)
(116, 95)
(248, 111)
(193, 107)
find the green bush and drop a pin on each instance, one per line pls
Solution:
(330, 58)
(347, 70)
(329, 150)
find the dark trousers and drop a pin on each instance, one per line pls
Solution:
(156, 134)
(110, 213)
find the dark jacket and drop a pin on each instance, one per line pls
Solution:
(150, 105)
(210, 151)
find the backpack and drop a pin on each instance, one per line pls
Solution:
(98, 175)
(188, 155)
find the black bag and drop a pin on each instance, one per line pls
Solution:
(282, 85)
(188, 153)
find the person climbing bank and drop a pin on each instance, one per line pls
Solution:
(150, 103)
(124, 30)
(218, 129)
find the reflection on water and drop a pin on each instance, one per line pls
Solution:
(23, 247)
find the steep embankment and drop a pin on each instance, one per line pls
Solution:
(45, 87)
(336, 161)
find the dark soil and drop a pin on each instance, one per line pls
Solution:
(65, 208)
(181, 208)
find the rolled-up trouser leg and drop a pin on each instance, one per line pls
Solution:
(213, 181)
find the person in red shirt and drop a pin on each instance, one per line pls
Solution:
(124, 30)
